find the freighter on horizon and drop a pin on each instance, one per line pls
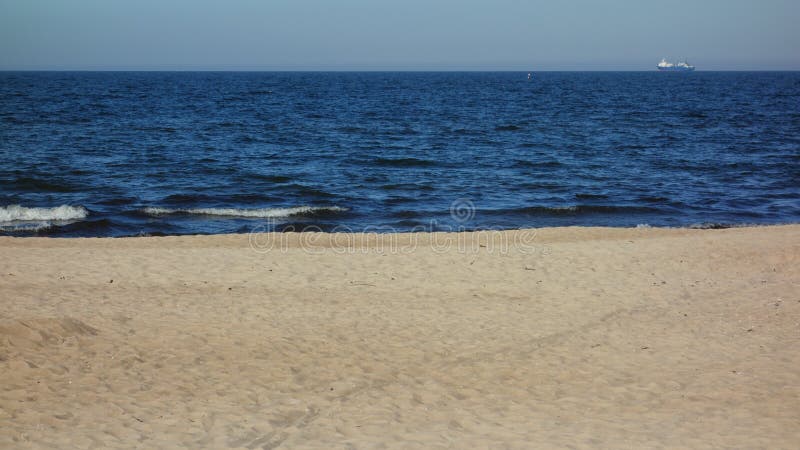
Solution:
(666, 66)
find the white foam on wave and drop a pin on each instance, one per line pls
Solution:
(18, 227)
(18, 213)
(236, 212)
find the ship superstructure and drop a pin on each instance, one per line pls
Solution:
(666, 66)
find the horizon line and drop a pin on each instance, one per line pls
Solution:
(377, 70)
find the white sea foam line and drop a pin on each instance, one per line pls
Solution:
(38, 226)
(234, 212)
(18, 213)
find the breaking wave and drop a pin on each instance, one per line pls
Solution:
(25, 227)
(18, 213)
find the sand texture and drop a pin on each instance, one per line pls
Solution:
(581, 337)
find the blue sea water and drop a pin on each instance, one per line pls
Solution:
(131, 153)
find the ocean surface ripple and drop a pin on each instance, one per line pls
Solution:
(138, 153)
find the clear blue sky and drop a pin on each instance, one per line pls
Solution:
(398, 34)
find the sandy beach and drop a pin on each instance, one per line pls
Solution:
(561, 337)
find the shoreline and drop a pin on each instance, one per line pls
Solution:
(572, 230)
(576, 336)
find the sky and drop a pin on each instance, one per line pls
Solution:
(397, 34)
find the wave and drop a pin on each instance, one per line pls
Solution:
(17, 213)
(403, 162)
(696, 114)
(589, 196)
(522, 163)
(653, 199)
(709, 226)
(117, 201)
(351, 130)
(307, 191)
(83, 228)
(398, 200)
(537, 211)
(573, 210)
(25, 227)
(407, 186)
(51, 184)
(268, 178)
(263, 213)
(194, 199)
(185, 198)
(411, 214)
(725, 225)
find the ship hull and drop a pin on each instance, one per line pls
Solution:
(675, 69)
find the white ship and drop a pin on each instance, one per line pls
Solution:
(666, 66)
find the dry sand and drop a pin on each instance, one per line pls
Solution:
(590, 337)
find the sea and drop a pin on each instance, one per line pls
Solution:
(172, 153)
